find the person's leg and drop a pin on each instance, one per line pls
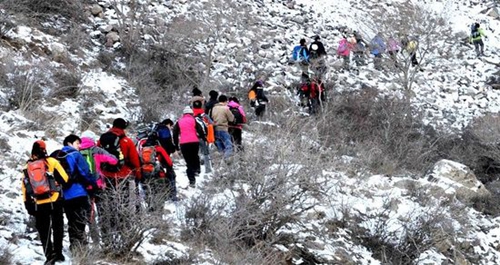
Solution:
(481, 44)
(43, 224)
(476, 47)
(190, 154)
(219, 142)
(206, 156)
(171, 184)
(58, 230)
(237, 139)
(228, 145)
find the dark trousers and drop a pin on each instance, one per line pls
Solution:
(49, 217)
(190, 153)
(237, 139)
(260, 109)
(479, 46)
(77, 212)
(414, 61)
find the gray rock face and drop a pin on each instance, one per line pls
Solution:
(457, 178)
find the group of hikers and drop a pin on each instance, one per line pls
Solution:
(92, 174)
(352, 46)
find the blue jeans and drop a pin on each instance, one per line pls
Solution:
(224, 143)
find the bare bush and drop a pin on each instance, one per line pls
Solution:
(47, 9)
(27, 90)
(268, 193)
(386, 133)
(6, 24)
(124, 226)
(68, 84)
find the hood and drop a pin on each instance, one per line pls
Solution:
(233, 104)
(87, 143)
(68, 149)
(117, 131)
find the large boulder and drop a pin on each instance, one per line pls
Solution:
(457, 178)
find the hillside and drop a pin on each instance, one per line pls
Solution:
(401, 166)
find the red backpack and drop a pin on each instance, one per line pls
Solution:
(39, 183)
(150, 165)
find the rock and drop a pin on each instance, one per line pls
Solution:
(96, 10)
(113, 36)
(493, 12)
(459, 179)
(106, 29)
(265, 46)
(59, 52)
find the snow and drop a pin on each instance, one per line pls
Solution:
(438, 91)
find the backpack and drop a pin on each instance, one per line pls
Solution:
(163, 132)
(149, 163)
(342, 46)
(62, 157)
(111, 143)
(296, 53)
(89, 157)
(39, 183)
(475, 31)
(313, 53)
(238, 117)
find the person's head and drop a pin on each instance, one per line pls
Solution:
(120, 123)
(187, 110)
(152, 140)
(317, 38)
(39, 150)
(477, 25)
(213, 94)
(196, 91)
(90, 135)
(222, 99)
(235, 99)
(73, 141)
(302, 42)
(167, 122)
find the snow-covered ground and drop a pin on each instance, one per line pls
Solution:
(440, 89)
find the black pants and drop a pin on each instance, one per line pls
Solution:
(236, 137)
(414, 61)
(260, 109)
(77, 212)
(49, 217)
(190, 153)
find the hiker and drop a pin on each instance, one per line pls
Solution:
(410, 46)
(476, 38)
(258, 99)
(95, 156)
(358, 49)
(45, 207)
(114, 219)
(158, 176)
(317, 54)
(186, 139)
(343, 51)
(236, 128)
(164, 131)
(208, 130)
(222, 116)
(300, 55)
(377, 49)
(76, 198)
(214, 95)
(311, 93)
(393, 48)
(197, 101)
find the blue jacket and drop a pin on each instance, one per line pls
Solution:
(300, 53)
(377, 45)
(79, 171)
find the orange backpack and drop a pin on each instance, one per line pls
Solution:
(210, 130)
(39, 183)
(149, 166)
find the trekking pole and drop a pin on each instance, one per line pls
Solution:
(48, 237)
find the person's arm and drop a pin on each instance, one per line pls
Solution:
(132, 157)
(165, 159)
(175, 132)
(200, 131)
(229, 115)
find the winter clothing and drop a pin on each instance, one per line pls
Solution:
(165, 138)
(477, 39)
(120, 123)
(100, 155)
(236, 130)
(221, 115)
(212, 101)
(198, 104)
(377, 45)
(90, 135)
(132, 161)
(261, 102)
(320, 51)
(48, 213)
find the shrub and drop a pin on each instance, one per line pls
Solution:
(5, 256)
(68, 84)
(26, 89)
(41, 9)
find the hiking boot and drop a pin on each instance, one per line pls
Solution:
(192, 185)
(59, 257)
(50, 260)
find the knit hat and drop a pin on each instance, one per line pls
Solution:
(89, 134)
(187, 110)
(120, 123)
(39, 149)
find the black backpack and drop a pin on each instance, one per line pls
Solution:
(62, 157)
(238, 117)
(111, 143)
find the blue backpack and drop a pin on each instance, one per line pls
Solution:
(298, 54)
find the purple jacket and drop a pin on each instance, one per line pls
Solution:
(233, 104)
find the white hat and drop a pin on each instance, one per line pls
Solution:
(187, 110)
(89, 134)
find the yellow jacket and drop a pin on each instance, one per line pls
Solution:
(54, 167)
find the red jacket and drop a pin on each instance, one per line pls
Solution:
(132, 161)
(161, 154)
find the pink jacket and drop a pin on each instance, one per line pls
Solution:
(187, 129)
(233, 104)
(100, 156)
(347, 45)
